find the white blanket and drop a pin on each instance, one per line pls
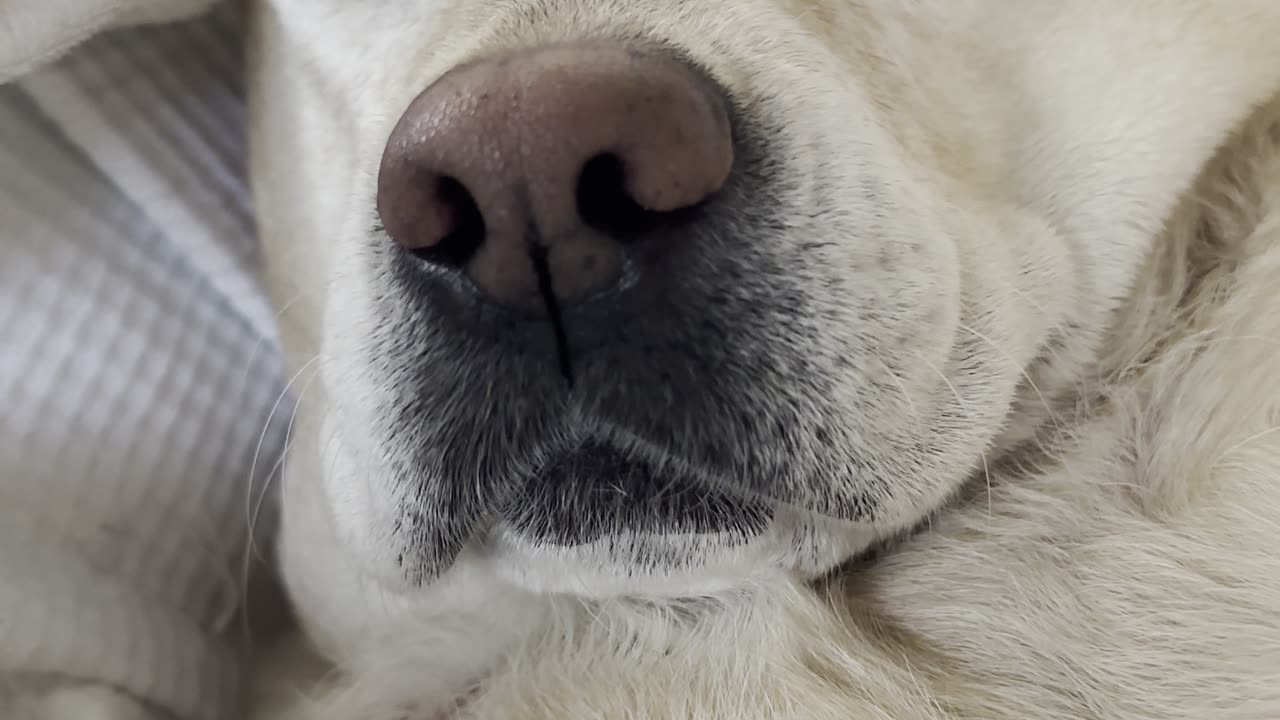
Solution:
(138, 369)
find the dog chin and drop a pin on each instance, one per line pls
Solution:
(673, 566)
(596, 521)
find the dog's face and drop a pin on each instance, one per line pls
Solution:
(901, 247)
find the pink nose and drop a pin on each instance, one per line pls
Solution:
(534, 172)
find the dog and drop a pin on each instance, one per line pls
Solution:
(778, 358)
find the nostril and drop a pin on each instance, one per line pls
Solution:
(605, 204)
(467, 229)
(599, 159)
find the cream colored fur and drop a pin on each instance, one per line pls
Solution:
(1116, 560)
(1134, 575)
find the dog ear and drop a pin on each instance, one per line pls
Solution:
(33, 32)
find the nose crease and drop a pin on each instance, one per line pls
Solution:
(538, 256)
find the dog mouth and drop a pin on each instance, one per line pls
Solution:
(595, 491)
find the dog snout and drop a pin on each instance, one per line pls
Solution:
(551, 170)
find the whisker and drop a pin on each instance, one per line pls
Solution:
(1053, 415)
(253, 508)
(253, 467)
(278, 466)
(897, 379)
(986, 470)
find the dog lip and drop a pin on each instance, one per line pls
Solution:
(586, 493)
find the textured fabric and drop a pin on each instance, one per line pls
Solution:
(33, 32)
(138, 368)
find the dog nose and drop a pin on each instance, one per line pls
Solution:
(539, 171)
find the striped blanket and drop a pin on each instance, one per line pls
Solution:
(143, 405)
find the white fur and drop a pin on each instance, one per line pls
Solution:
(1137, 579)
(1121, 565)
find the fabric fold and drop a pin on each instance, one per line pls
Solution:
(144, 409)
